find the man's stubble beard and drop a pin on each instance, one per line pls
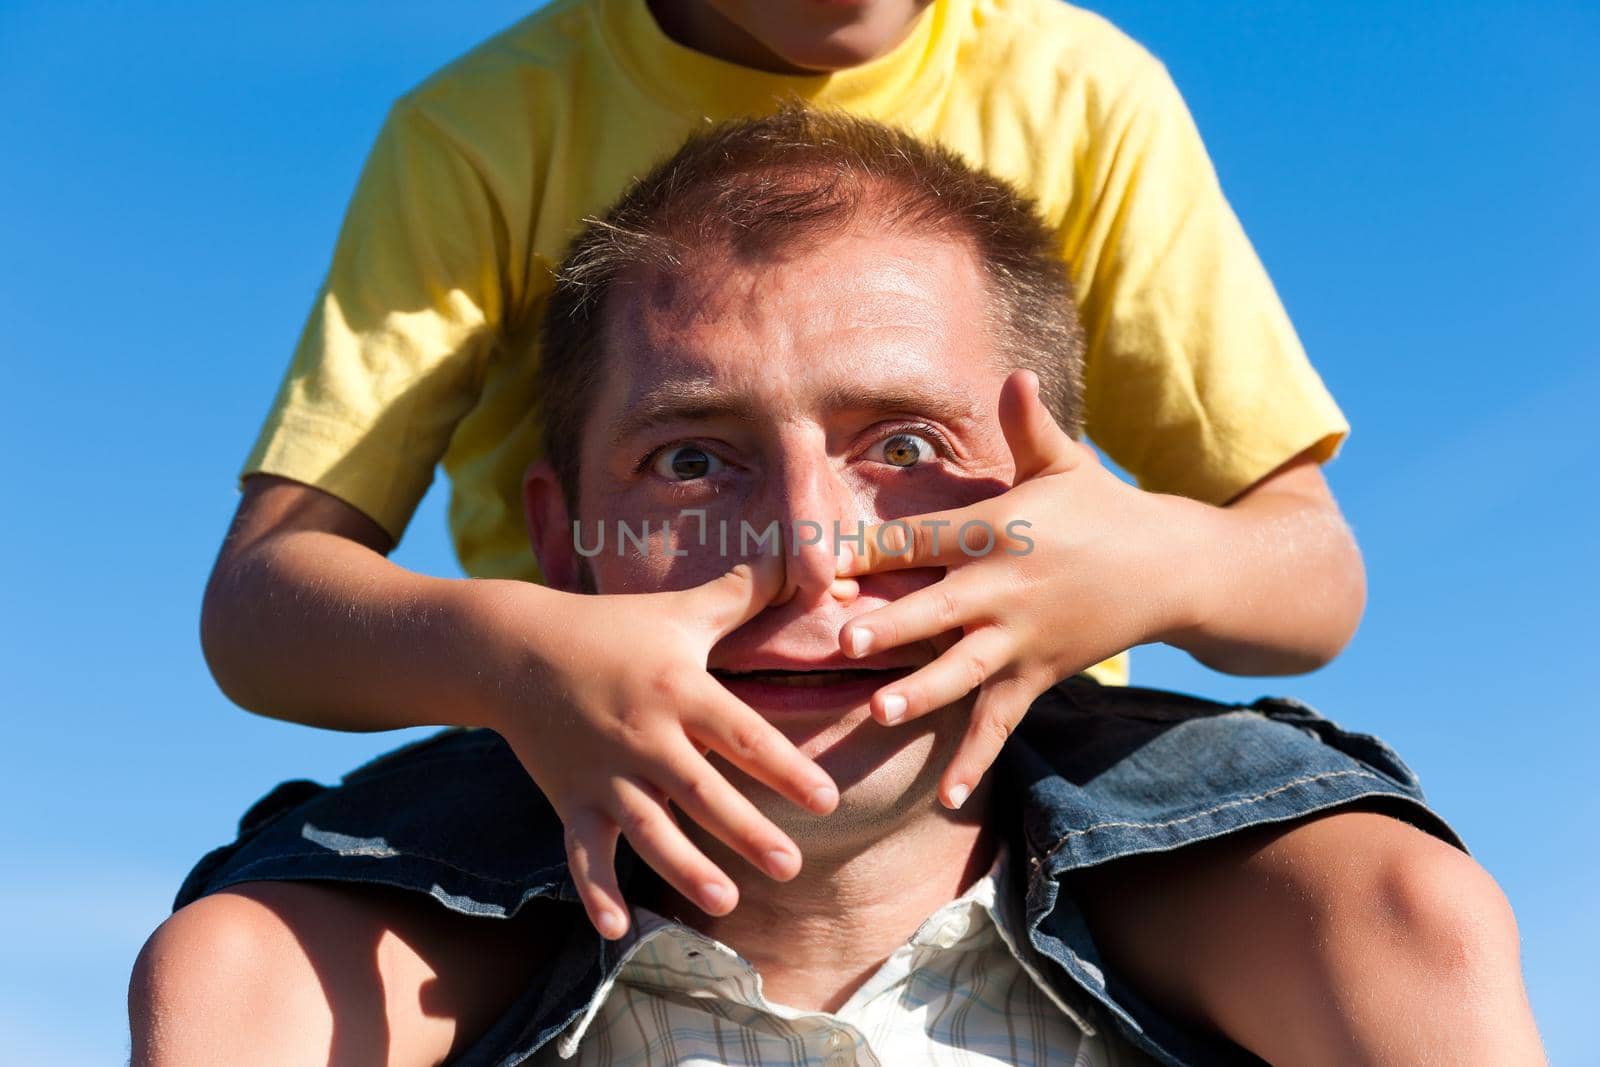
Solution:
(888, 778)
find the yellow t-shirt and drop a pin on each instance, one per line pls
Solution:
(422, 344)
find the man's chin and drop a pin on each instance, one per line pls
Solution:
(885, 774)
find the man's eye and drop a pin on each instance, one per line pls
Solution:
(686, 463)
(906, 449)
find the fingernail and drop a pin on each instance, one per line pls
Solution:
(822, 799)
(958, 796)
(610, 925)
(894, 707)
(844, 555)
(780, 864)
(713, 897)
(858, 641)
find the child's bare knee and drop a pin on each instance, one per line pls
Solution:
(1370, 888)
(1442, 911)
(209, 980)
(1404, 939)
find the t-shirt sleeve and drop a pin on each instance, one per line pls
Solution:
(392, 353)
(1195, 382)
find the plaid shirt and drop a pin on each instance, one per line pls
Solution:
(964, 991)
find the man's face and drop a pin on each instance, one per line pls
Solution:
(853, 381)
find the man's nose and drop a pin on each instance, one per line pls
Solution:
(813, 506)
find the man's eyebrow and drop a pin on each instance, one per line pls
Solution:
(937, 403)
(669, 402)
(691, 401)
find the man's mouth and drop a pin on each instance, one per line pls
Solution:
(825, 689)
(812, 679)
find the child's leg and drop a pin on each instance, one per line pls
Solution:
(1341, 938)
(323, 973)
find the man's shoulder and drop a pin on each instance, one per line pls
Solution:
(1082, 696)
(1080, 727)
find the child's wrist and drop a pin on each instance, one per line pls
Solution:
(1193, 538)
(495, 652)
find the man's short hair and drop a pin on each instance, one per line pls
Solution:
(753, 187)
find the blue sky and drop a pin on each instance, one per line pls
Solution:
(1419, 178)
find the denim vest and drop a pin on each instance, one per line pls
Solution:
(1061, 776)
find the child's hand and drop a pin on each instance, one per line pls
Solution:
(634, 711)
(1098, 567)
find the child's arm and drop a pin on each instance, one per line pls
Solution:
(1272, 583)
(604, 699)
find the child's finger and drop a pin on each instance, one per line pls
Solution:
(591, 841)
(995, 715)
(641, 814)
(727, 602)
(937, 539)
(963, 667)
(959, 599)
(707, 797)
(1038, 445)
(732, 729)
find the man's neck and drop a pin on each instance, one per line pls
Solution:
(817, 938)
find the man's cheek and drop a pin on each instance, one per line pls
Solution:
(663, 565)
(931, 491)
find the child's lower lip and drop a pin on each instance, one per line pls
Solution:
(808, 691)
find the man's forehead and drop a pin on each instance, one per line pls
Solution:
(862, 324)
